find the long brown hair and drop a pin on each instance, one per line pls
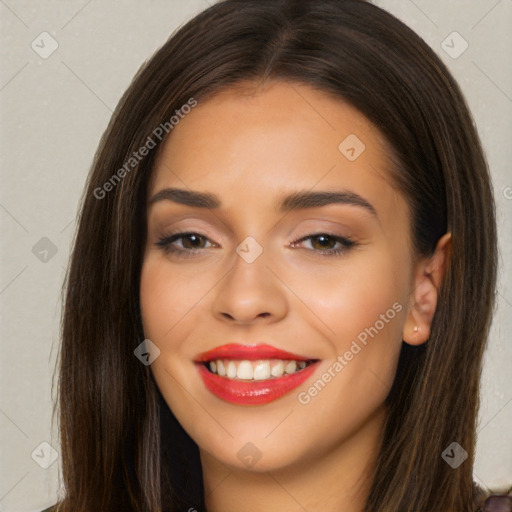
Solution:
(117, 452)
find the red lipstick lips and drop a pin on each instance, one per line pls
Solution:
(248, 391)
(249, 352)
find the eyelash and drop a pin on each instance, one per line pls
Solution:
(165, 243)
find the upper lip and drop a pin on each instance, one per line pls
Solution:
(248, 352)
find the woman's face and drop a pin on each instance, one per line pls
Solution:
(326, 279)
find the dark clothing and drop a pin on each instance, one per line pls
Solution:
(493, 503)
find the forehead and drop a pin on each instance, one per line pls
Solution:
(258, 141)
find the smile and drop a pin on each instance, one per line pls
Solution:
(252, 374)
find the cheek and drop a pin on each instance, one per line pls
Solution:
(167, 297)
(362, 307)
(167, 294)
(363, 292)
(157, 304)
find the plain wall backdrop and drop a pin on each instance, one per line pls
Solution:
(65, 64)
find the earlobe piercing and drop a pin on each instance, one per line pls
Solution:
(416, 328)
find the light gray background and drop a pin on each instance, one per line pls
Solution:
(54, 111)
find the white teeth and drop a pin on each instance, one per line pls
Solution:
(277, 369)
(221, 370)
(255, 370)
(245, 370)
(231, 370)
(291, 367)
(262, 371)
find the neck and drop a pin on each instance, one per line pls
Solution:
(337, 479)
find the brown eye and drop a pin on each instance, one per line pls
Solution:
(190, 243)
(325, 243)
(193, 241)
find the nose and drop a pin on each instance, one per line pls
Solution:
(250, 292)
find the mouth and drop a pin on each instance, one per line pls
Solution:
(252, 374)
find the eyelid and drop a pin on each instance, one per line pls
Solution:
(347, 243)
(167, 239)
(166, 243)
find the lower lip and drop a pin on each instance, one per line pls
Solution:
(253, 392)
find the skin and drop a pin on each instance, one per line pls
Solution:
(249, 146)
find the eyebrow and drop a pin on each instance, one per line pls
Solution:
(295, 201)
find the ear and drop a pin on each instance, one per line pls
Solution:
(428, 274)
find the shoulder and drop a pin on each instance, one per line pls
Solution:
(487, 501)
(498, 503)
